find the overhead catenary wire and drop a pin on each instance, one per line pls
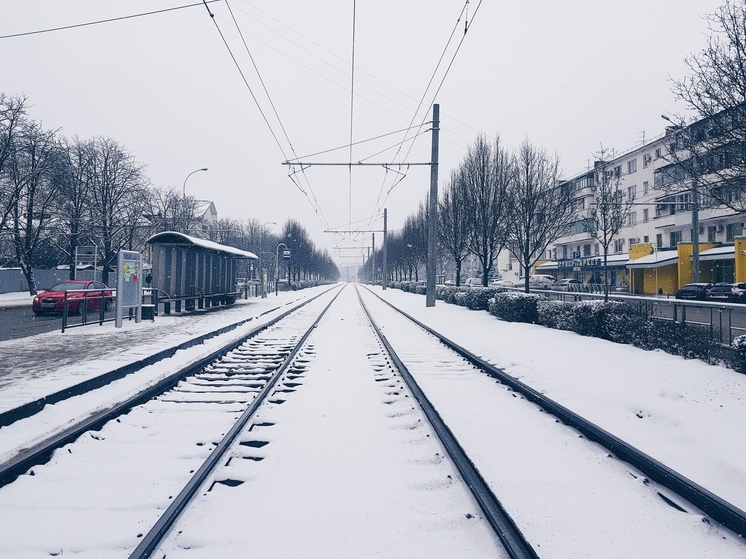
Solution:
(442, 81)
(102, 21)
(315, 203)
(312, 200)
(352, 108)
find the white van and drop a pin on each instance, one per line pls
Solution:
(541, 281)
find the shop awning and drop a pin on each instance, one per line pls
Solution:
(727, 252)
(655, 260)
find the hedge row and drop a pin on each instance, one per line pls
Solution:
(612, 320)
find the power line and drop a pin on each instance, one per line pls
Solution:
(121, 18)
(352, 109)
(467, 25)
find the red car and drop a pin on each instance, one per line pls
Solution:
(52, 300)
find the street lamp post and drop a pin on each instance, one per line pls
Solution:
(261, 270)
(183, 196)
(277, 266)
(695, 214)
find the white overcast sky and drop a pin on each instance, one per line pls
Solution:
(566, 75)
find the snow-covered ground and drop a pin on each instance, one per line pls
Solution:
(685, 413)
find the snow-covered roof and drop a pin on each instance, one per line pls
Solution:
(726, 252)
(655, 260)
(175, 238)
(551, 265)
(617, 259)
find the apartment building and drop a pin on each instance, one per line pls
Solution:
(653, 252)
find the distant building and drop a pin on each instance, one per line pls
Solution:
(652, 253)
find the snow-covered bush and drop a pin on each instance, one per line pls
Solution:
(625, 323)
(589, 319)
(514, 306)
(460, 297)
(738, 361)
(555, 314)
(477, 298)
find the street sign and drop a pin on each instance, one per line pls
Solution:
(286, 255)
(576, 254)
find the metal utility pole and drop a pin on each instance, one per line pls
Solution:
(432, 228)
(695, 230)
(385, 278)
(373, 267)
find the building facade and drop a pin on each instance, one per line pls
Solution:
(652, 253)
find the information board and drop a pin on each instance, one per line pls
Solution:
(129, 284)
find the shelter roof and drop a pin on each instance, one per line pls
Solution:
(180, 239)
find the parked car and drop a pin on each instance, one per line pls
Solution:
(473, 282)
(730, 292)
(568, 284)
(501, 283)
(52, 299)
(542, 281)
(696, 291)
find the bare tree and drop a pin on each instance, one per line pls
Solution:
(32, 174)
(12, 119)
(541, 211)
(72, 217)
(610, 209)
(165, 210)
(487, 172)
(117, 182)
(707, 156)
(453, 226)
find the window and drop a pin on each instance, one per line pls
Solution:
(658, 153)
(645, 188)
(587, 250)
(646, 159)
(618, 245)
(732, 230)
(659, 240)
(564, 252)
(674, 238)
(618, 171)
(632, 192)
(646, 239)
(645, 215)
(596, 249)
(712, 234)
(631, 166)
(633, 241)
(631, 219)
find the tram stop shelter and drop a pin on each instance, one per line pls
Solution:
(192, 273)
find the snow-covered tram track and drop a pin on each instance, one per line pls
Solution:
(515, 543)
(532, 461)
(92, 414)
(161, 425)
(396, 494)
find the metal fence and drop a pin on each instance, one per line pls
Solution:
(724, 321)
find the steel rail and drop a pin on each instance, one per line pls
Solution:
(28, 409)
(713, 505)
(505, 528)
(160, 529)
(41, 452)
